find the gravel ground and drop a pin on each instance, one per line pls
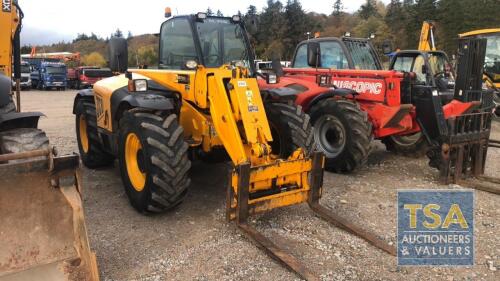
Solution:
(194, 242)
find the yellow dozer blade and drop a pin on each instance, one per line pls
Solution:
(42, 227)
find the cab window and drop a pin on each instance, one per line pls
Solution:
(403, 64)
(332, 56)
(417, 68)
(177, 44)
(301, 57)
(411, 64)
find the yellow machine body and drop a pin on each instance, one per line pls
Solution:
(213, 119)
(9, 21)
(492, 80)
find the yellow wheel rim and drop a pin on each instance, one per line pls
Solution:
(132, 148)
(84, 139)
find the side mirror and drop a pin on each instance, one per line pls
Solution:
(386, 47)
(277, 67)
(118, 54)
(313, 54)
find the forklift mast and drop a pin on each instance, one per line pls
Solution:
(470, 70)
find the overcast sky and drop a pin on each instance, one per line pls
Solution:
(52, 21)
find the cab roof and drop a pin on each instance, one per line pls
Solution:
(479, 32)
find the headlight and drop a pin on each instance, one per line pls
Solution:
(201, 16)
(141, 85)
(138, 85)
(191, 64)
(272, 78)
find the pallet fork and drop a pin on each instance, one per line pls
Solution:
(460, 143)
(239, 206)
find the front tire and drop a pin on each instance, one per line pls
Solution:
(22, 140)
(343, 133)
(89, 145)
(290, 129)
(414, 145)
(154, 161)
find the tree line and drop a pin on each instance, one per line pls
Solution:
(278, 27)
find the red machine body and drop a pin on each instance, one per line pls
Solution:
(379, 94)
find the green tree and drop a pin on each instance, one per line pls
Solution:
(458, 16)
(80, 37)
(118, 33)
(298, 24)
(271, 30)
(369, 9)
(396, 20)
(338, 6)
(219, 13)
(209, 12)
(250, 20)
(421, 11)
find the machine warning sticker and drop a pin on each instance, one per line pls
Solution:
(6, 6)
(436, 227)
(242, 83)
(251, 106)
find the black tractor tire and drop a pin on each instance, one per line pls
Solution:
(290, 129)
(414, 145)
(91, 151)
(343, 133)
(154, 162)
(22, 140)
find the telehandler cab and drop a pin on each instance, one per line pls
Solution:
(203, 100)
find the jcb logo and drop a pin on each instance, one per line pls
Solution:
(6, 5)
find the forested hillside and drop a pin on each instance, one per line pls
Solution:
(277, 28)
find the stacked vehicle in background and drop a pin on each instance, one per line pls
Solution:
(49, 75)
(25, 80)
(86, 76)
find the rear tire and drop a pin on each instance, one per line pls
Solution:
(290, 128)
(343, 133)
(89, 145)
(22, 140)
(154, 161)
(414, 145)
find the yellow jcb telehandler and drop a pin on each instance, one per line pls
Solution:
(203, 102)
(42, 228)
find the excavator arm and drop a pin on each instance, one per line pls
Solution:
(10, 23)
(426, 42)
